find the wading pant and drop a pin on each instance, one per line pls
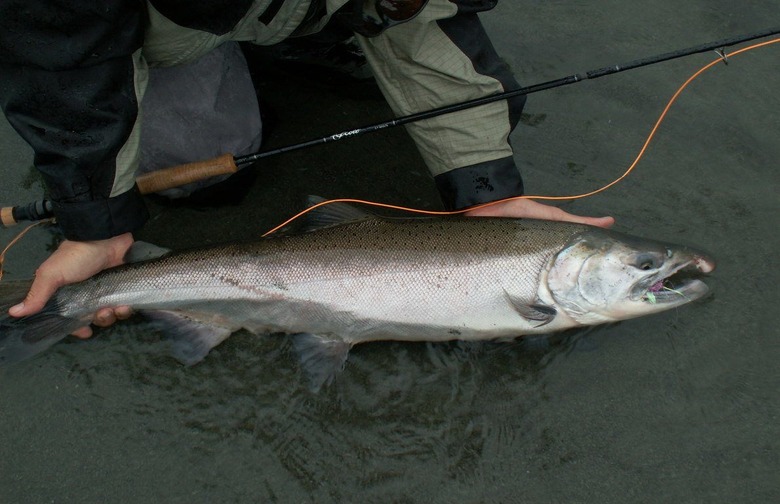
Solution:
(200, 92)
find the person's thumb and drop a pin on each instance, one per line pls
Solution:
(42, 288)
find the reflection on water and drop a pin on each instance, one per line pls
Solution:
(400, 416)
(404, 422)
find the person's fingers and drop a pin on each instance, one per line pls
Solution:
(72, 262)
(602, 222)
(108, 316)
(83, 332)
(104, 317)
(526, 208)
(123, 312)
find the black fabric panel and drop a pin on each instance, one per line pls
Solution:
(465, 30)
(67, 87)
(213, 16)
(76, 121)
(471, 6)
(101, 219)
(62, 34)
(479, 183)
(271, 11)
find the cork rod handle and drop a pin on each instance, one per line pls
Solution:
(179, 175)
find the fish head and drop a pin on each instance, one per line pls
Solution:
(605, 276)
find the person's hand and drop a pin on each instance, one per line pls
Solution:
(526, 208)
(73, 262)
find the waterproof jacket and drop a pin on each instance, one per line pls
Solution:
(72, 75)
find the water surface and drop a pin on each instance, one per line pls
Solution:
(676, 407)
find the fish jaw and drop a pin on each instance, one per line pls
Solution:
(673, 287)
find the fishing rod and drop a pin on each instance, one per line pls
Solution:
(227, 164)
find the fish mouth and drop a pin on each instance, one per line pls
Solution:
(681, 285)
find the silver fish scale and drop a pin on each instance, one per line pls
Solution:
(365, 280)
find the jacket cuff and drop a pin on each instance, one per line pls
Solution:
(101, 219)
(479, 183)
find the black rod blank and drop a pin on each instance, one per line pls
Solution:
(571, 79)
(42, 209)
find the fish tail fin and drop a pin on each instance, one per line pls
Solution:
(24, 337)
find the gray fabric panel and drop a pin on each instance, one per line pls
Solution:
(198, 111)
(466, 32)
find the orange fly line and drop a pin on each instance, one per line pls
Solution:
(724, 57)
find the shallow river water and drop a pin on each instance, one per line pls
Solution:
(677, 407)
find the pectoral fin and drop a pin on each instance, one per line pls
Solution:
(535, 312)
(321, 357)
(192, 336)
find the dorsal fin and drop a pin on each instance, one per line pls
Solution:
(331, 214)
(143, 251)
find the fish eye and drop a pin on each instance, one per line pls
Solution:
(646, 262)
